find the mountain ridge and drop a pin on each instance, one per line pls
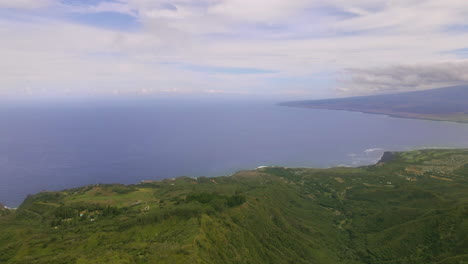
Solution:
(441, 104)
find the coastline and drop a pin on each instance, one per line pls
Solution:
(394, 115)
(387, 156)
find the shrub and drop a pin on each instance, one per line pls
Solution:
(235, 200)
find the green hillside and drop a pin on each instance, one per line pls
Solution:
(412, 208)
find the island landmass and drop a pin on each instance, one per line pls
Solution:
(442, 104)
(411, 207)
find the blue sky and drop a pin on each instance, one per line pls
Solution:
(271, 48)
(107, 20)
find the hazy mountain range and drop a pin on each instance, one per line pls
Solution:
(446, 104)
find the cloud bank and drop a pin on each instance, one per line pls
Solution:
(299, 49)
(405, 77)
(25, 4)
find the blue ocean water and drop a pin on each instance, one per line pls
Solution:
(46, 146)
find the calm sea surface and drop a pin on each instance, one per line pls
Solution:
(57, 146)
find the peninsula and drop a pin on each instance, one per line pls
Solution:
(443, 104)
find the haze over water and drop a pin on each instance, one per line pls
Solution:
(52, 147)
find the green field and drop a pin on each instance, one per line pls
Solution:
(411, 209)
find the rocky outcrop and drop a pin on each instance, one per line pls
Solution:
(387, 156)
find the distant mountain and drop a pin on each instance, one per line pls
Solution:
(446, 104)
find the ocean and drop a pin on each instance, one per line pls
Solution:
(53, 146)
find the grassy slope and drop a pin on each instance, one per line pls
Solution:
(412, 209)
(443, 104)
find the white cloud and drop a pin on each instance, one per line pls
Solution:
(362, 41)
(407, 77)
(26, 4)
(118, 7)
(260, 10)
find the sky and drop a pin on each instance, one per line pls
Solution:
(291, 49)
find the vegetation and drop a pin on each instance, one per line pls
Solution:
(443, 104)
(3, 210)
(410, 208)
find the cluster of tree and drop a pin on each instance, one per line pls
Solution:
(216, 199)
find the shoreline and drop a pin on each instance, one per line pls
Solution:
(387, 156)
(401, 116)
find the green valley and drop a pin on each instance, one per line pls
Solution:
(412, 207)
